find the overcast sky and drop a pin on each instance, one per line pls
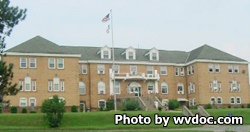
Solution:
(165, 24)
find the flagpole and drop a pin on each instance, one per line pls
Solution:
(113, 54)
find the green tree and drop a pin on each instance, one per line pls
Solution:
(9, 17)
(54, 109)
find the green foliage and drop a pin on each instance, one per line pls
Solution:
(208, 106)
(160, 108)
(13, 109)
(54, 109)
(74, 108)
(24, 110)
(32, 111)
(248, 105)
(242, 106)
(130, 105)
(229, 106)
(173, 104)
(110, 105)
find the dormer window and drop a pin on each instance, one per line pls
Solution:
(105, 52)
(129, 53)
(153, 54)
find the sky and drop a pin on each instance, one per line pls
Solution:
(164, 24)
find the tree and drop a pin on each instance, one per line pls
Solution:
(9, 17)
(54, 109)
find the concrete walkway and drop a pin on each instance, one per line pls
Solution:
(222, 128)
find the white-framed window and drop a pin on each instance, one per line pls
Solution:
(32, 63)
(182, 73)
(131, 55)
(211, 68)
(100, 69)
(163, 70)
(154, 56)
(106, 54)
(27, 82)
(164, 88)
(133, 69)
(62, 85)
(33, 85)
(82, 88)
(117, 88)
(180, 88)
(23, 101)
(51, 63)
(117, 69)
(232, 100)
(102, 104)
(60, 63)
(217, 68)
(149, 70)
(84, 69)
(192, 69)
(101, 88)
(188, 70)
(191, 88)
(23, 62)
(230, 68)
(150, 87)
(238, 100)
(50, 85)
(215, 86)
(176, 71)
(234, 86)
(32, 101)
(219, 100)
(56, 84)
(213, 100)
(236, 69)
(21, 85)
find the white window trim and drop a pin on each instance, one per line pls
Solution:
(84, 88)
(231, 100)
(214, 100)
(30, 101)
(182, 73)
(118, 67)
(237, 101)
(99, 71)
(131, 72)
(217, 66)
(118, 88)
(165, 85)
(33, 83)
(211, 66)
(58, 63)
(27, 83)
(180, 92)
(148, 84)
(25, 62)
(232, 68)
(100, 88)
(165, 67)
(104, 103)
(30, 62)
(86, 69)
(220, 100)
(21, 102)
(21, 82)
(62, 84)
(50, 82)
(56, 83)
(54, 63)
(177, 70)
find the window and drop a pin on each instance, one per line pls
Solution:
(101, 88)
(27, 82)
(215, 86)
(150, 87)
(82, 89)
(130, 55)
(32, 102)
(84, 69)
(210, 67)
(182, 71)
(117, 87)
(164, 88)
(154, 56)
(219, 100)
(23, 101)
(238, 100)
(234, 86)
(50, 83)
(232, 100)
(60, 63)
(236, 69)
(149, 70)
(33, 85)
(23, 62)
(180, 88)
(100, 69)
(192, 69)
(188, 70)
(21, 85)
(32, 63)
(230, 69)
(51, 63)
(213, 100)
(191, 88)
(106, 54)
(176, 71)
(56, 84)
(62, 85)
(116, 69)
(133, 69)
(217, 68)
(101, 104)
(163, 70)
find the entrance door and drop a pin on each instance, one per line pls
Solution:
(82, 107)
(137, 91)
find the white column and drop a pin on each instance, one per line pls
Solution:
(156, 87)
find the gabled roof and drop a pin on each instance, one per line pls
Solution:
(207, 52)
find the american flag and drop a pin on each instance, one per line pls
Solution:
(106, 18)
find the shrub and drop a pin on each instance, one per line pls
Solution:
(24, 110)
(13, 109)
(242, 106)
(208, 106)
(32, 111)
(130, 104)
(159, 108)
(74, 108)
(0, 110)
(248, 105)
(173, 104)
(54, 109)
(110, 105)
(229, 106)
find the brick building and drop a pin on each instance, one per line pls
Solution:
(83, 75)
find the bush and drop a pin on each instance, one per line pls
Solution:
(32, 111)
(159, 108)
(54, 109)
(13, 109)
(130, 105)
(173, 104)
(248, 105)
(229, 106)
(110, 105)
(208, 106)
(24, 110)
(74, 108)
(242, 106)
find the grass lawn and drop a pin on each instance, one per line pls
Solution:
(236, 112)
(86, 121)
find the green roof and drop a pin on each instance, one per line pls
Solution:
(42, 45)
